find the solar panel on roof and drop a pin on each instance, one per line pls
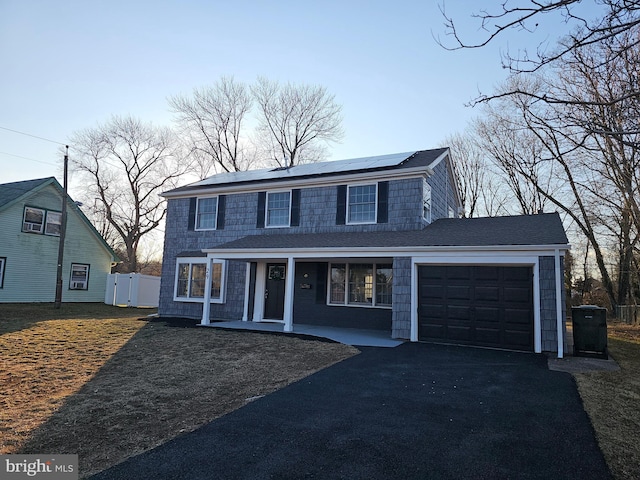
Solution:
(319, 168)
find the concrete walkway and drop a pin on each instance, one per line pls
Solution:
(348, 336)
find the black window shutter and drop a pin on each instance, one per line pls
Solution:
(383, 202)
(321, 283)
(192, 214)
(341, 210)
(221, 211)
(262, 199)
(295, 207)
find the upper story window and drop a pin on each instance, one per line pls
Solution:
(191, 280)
(426, 201)
(278, 209)
(361, 203)
(206, 213)
(39, 220)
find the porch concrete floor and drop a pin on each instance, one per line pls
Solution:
(348, 336)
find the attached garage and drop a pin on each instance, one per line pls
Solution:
(484, 305)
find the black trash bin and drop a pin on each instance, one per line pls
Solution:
(589, 331)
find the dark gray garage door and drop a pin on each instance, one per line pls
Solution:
(490, 306)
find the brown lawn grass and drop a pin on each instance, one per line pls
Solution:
(612, 400)
(97, 381)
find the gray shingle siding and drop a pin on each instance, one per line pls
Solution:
(442, 191)
(317, 215)
(548, 304)
(401, 317)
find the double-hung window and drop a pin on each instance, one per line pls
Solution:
(191, 280)
(278, 209)
(206, 213)
(361, 284)
(79, 279)
(361, 203)
(39, 220)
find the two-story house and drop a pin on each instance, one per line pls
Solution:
(30, 226)
(368, 243)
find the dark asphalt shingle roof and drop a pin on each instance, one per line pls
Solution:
(14, 190)
(542, 229)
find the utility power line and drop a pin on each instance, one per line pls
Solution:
(31, 135)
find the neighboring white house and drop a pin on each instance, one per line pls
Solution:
(30, 221)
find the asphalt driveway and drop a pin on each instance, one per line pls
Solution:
(418, 411)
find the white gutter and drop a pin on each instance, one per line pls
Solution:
(322, 181)
(380, 251)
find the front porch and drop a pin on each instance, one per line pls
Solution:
(348, 336)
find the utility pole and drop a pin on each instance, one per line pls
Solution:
(63, 230)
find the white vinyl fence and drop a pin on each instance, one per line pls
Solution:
(132, 290)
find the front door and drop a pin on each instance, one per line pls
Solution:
(274, 291)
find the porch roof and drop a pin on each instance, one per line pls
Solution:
(541, 229)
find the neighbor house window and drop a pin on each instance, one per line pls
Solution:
(3, 262)
(206, 213)
(33, 220)
(361, 204)
(39, 220)
(278, 209)
(426, 201)
(79, 279)
(53, 225)
(361, 284)
(191, 280)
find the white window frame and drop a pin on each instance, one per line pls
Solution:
(346, 302)
(197, 261)
(47, 222)
(3, 264)
(427, 206)
(77, 284)
(196, 226)
(266, 210)
(375, 204)
(30, 228)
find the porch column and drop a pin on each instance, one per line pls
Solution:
(559, 305)
(247, 281)
(288, 295)
(206, 306)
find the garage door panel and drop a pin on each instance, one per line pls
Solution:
(487, 273)
(459, 292)
(459, 333)
(462, 272)
(512, 274)
(488, 336)
(517, 294)
(517, 339)
(517, 316)
(487, 294)
(478, 305)
(486, 314)
(458, 312)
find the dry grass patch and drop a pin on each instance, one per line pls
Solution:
(108, 389)
(612, 400)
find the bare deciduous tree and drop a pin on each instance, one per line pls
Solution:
(125, 164)
(211, 122)
(617, 19)
(296, 121)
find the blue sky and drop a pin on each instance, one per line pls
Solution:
(68, 65)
